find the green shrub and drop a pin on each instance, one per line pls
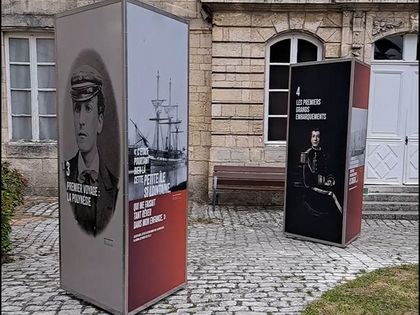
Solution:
(12, 185)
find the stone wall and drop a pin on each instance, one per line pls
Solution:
(239, 42)
(238, 67)
(4, 111)
(227, 72)
(38, 161)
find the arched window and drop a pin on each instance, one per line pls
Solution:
(396, 47)
(281, 52)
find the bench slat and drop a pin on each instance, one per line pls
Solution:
(250, 183)
(250, 178)
(254, 176)
(232, 187)
(261, 185)
(248, 169)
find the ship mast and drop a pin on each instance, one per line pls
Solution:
(170, 121)
(177, 123)
(177, 131)
(169, 117)
(157, 104)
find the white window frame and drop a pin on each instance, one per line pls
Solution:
(293, 59)
(33, 64)
(409, 48)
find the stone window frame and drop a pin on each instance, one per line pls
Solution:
(294, 37)
(32, 38)
(409, 48)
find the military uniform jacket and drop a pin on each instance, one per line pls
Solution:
(316, 165)
(94, 218)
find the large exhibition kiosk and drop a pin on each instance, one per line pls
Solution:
(326, 147)
(122, 99)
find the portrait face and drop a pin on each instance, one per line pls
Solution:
(87, 123)
(315, 138)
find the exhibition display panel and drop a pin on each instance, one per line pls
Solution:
(122, 100)
(326, 147)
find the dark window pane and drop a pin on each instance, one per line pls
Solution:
(279, 77)
(277, 129)
(21, 128)
(390, 48)
(306, 51)
(277, 103)
(280, 51)
(21, 102)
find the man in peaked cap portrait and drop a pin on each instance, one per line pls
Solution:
(94, 187)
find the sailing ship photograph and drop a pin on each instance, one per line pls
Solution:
(163, 149)
(358, 137)
(157, 110)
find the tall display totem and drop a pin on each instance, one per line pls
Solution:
(326, 147)
(122, 99)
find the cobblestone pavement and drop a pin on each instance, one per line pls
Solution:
(239, 262)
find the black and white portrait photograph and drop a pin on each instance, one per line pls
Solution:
(317, 178)
(316, 183)
(92, 169)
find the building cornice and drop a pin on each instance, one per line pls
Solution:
(308, 5)
(27, 21)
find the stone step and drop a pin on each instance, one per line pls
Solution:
(390, 189)
(391, 215)
(392, 197)
(390, 206)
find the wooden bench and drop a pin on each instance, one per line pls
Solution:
(251, 178)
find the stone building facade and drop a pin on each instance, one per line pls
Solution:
(38, 159)
(229, 71)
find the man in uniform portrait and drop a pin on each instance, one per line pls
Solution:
(97, 185)
(317, 180)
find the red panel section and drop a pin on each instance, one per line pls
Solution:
(361, 86)
(157, 247)
(354, 202)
